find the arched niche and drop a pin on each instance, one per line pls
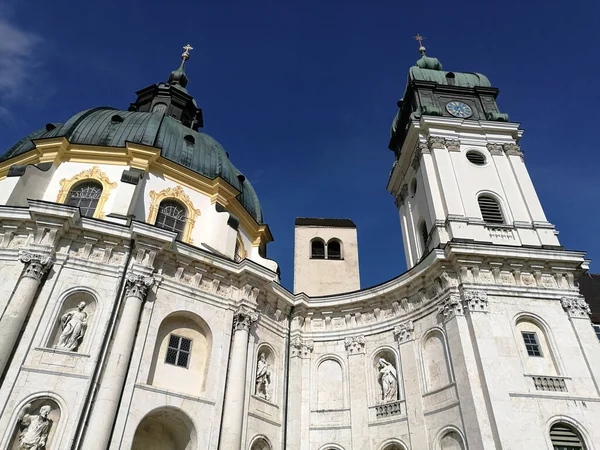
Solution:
(451, 440)
(165, 428)
(72, 324)
(261, 443)
(534, 346)
(181, 354)
(386, 376)
(30, 417)
(435, 361)
(265, 373)
(329, 385)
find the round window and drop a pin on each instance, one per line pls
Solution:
(476, 158)
(413, 187)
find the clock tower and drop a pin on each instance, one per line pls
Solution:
(459, 173)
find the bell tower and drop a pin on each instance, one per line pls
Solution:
(459, 173)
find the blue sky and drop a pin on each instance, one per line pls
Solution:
(302, 94)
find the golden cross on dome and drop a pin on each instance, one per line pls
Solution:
(186, 53)
(420, 38)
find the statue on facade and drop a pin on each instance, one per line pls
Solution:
(74, 324)
(388, 379)
(263, 377)
(35, 428)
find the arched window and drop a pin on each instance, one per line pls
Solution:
(261, 444)
(534, 348)
(334, 249)
(85, 196)
(490, 209)
(317, 249)
(172, 216)
(565, 437)
(240, 250)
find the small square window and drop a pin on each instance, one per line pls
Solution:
(531, 343)
(178, 352)
(597, 330)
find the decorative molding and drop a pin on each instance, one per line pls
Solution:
(495, 149)
(243, 319)
(453, 145)
(512, 150)
(451, 307)
(436, 142)
(355, 345)
(95, 174)
(137, 285)
(576, 307)
(404, 332)
(176, 193)
(475, 301)
(300, 348)
(389, 409)
(423, 148)
(416, 161)
(36, 264)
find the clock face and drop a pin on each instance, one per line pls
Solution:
(459, 109)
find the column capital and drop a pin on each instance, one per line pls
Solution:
(475, 301)
(243, 318)
(436, 142)
(453, 145)
(36, 264)
(512, 150)
(495, 149)
(404, 332)
(451, 307)
(576, 307)
(137, 285)
(355, 344)
(300, 348)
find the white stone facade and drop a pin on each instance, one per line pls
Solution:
(192, 343)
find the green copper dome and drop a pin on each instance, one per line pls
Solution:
(113, 128)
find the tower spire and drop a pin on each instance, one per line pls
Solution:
(178, 77)
(422, 48)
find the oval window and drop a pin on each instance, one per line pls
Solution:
(476, 158)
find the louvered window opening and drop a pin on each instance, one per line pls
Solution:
(531, 344)
(490, 210)
(178, 352)
(85, 196)
(476, 158)
(171, 216)
(565, 438)
(424, 234)
(597, 330)
(317, 250)
(334, 250)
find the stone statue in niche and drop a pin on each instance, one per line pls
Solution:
(388, 379)
(73, 324)
(34, 428)
(263, 377)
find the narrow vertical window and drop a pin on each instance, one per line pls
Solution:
(172, 216)
(85, 196)
(597, 330)
(531, 343)
(178, 351)
(317, 249)
(490, 209)
(424, 235)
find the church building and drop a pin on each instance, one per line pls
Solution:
(139, 308)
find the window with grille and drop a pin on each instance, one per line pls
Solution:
(85, 196)
(564, 437)
(490, 210)
(178, 352)
(334, 250)
(531, 343)
(597, 330)
(476, 158)
(317, 249)
(172, 216)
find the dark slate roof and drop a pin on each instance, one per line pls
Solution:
(336, 223)
(113, 128)
(589, 286)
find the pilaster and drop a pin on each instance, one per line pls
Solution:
(359, 410)
(298, 413)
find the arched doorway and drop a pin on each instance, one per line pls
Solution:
(165, 429)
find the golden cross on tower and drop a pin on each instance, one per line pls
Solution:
(420, 38)
(186, 53)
